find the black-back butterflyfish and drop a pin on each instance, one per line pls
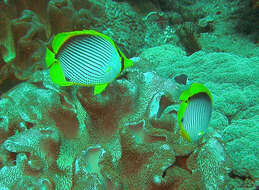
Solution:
(194, 112)
(87, 58)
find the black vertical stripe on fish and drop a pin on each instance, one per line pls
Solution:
(122, 59)
(122, 64)
(197, 115)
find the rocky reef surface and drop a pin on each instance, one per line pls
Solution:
(54, 137)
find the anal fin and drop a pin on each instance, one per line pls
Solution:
(99, 88)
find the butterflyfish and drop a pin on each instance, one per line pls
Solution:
(194, 112)
(86, 58)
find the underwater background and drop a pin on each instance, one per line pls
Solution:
(127, 138)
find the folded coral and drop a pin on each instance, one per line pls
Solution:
(56, 137)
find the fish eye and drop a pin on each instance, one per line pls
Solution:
(182, 120)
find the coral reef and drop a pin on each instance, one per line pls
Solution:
(67, 138)
(54, 137)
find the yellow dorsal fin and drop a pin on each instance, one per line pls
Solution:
(61, 38)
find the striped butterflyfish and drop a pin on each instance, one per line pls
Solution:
(194, 112)
(86, 58)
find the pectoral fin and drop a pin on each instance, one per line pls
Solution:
(99, 88)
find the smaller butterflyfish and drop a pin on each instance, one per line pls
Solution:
(194, 112)
(86, 58)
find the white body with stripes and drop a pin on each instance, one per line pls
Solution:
(197, 116)
(89, 60)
